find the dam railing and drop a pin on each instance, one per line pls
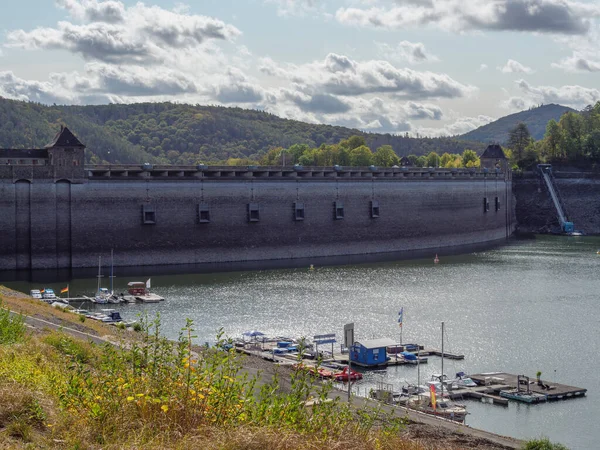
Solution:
(162, 172)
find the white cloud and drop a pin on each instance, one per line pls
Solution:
(482, 67)
(578, 63)
(513, 66)
(405, 51)
(461, 126)
(294, 7)
(116, 34)
(340, 75)
(544, 16)
(574, 96)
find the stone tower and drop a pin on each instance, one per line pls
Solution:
(66, 156)
(493, 157)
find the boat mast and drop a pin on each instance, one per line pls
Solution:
(99, 271)
(442, 377)
(111, 272)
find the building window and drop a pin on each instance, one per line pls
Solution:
(203, 213)
(34, 162)
(21, 161)
(486, 204)
(497, 203)
(253, 212)
(148, 215)
(298, 211)
(75, 162)
(338, 210)
(374, 209)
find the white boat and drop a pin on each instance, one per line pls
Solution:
(48, 294)
(433, 402)
(102, 294)
(444, 408)
(462, 381)
(35, 293)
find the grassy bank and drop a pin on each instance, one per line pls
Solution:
(58, 391)
(139, 390)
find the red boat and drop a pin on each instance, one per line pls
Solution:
(343, 376)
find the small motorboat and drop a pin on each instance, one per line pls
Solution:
(35, 293)
(343, 375)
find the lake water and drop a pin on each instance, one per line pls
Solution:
(527, 306)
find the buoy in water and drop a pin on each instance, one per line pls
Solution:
(311, 267)
(436, 259)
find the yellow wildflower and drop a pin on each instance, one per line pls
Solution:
(165, 408)
(130, 399)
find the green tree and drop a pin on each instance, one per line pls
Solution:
(361, 156)
(552, 139)
(353, 142)
(572, 125)
(413, 159)
(295, 152)
(518, 139)
(385, 156)
(421, 161)
(433, 159)
(470, 159)
(592, 145)
(446, 159)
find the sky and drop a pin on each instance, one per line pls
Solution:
(426, 67)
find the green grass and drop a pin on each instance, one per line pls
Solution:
(543, 444)
(157, 393)
(12, 327)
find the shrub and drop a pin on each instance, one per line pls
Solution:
(12, 326)
(76, 349)
(543, 444)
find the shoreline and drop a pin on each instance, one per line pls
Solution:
(431, 431)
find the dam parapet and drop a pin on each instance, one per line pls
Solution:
(165, 172)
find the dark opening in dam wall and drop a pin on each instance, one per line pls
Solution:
(195, 215)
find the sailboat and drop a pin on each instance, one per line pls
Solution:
(112, 297)
(438, 405)
(102, 294)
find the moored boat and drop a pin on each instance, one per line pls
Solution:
(343, 375)
(141, 291)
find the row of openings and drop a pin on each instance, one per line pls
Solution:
(149, 213)
(486, 204)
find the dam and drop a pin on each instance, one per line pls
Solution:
(56, 212)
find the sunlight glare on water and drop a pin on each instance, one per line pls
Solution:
(528, 306)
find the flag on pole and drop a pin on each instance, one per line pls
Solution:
(400, 314)
(148, 284)
(62, 291)
(432, 392)
(42, 291)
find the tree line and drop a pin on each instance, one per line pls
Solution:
(574, 139)
(355, 152)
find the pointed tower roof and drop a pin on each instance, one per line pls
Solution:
(64, 138)
(494, 151)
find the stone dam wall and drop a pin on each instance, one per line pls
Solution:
(175, 215)
(580, 193)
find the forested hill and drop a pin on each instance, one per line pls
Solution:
(185, 134)
(536, 120)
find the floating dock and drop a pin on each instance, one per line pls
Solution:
(556, 391)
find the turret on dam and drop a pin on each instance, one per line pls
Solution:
(55, 212)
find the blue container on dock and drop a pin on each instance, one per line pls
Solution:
(283, 344)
